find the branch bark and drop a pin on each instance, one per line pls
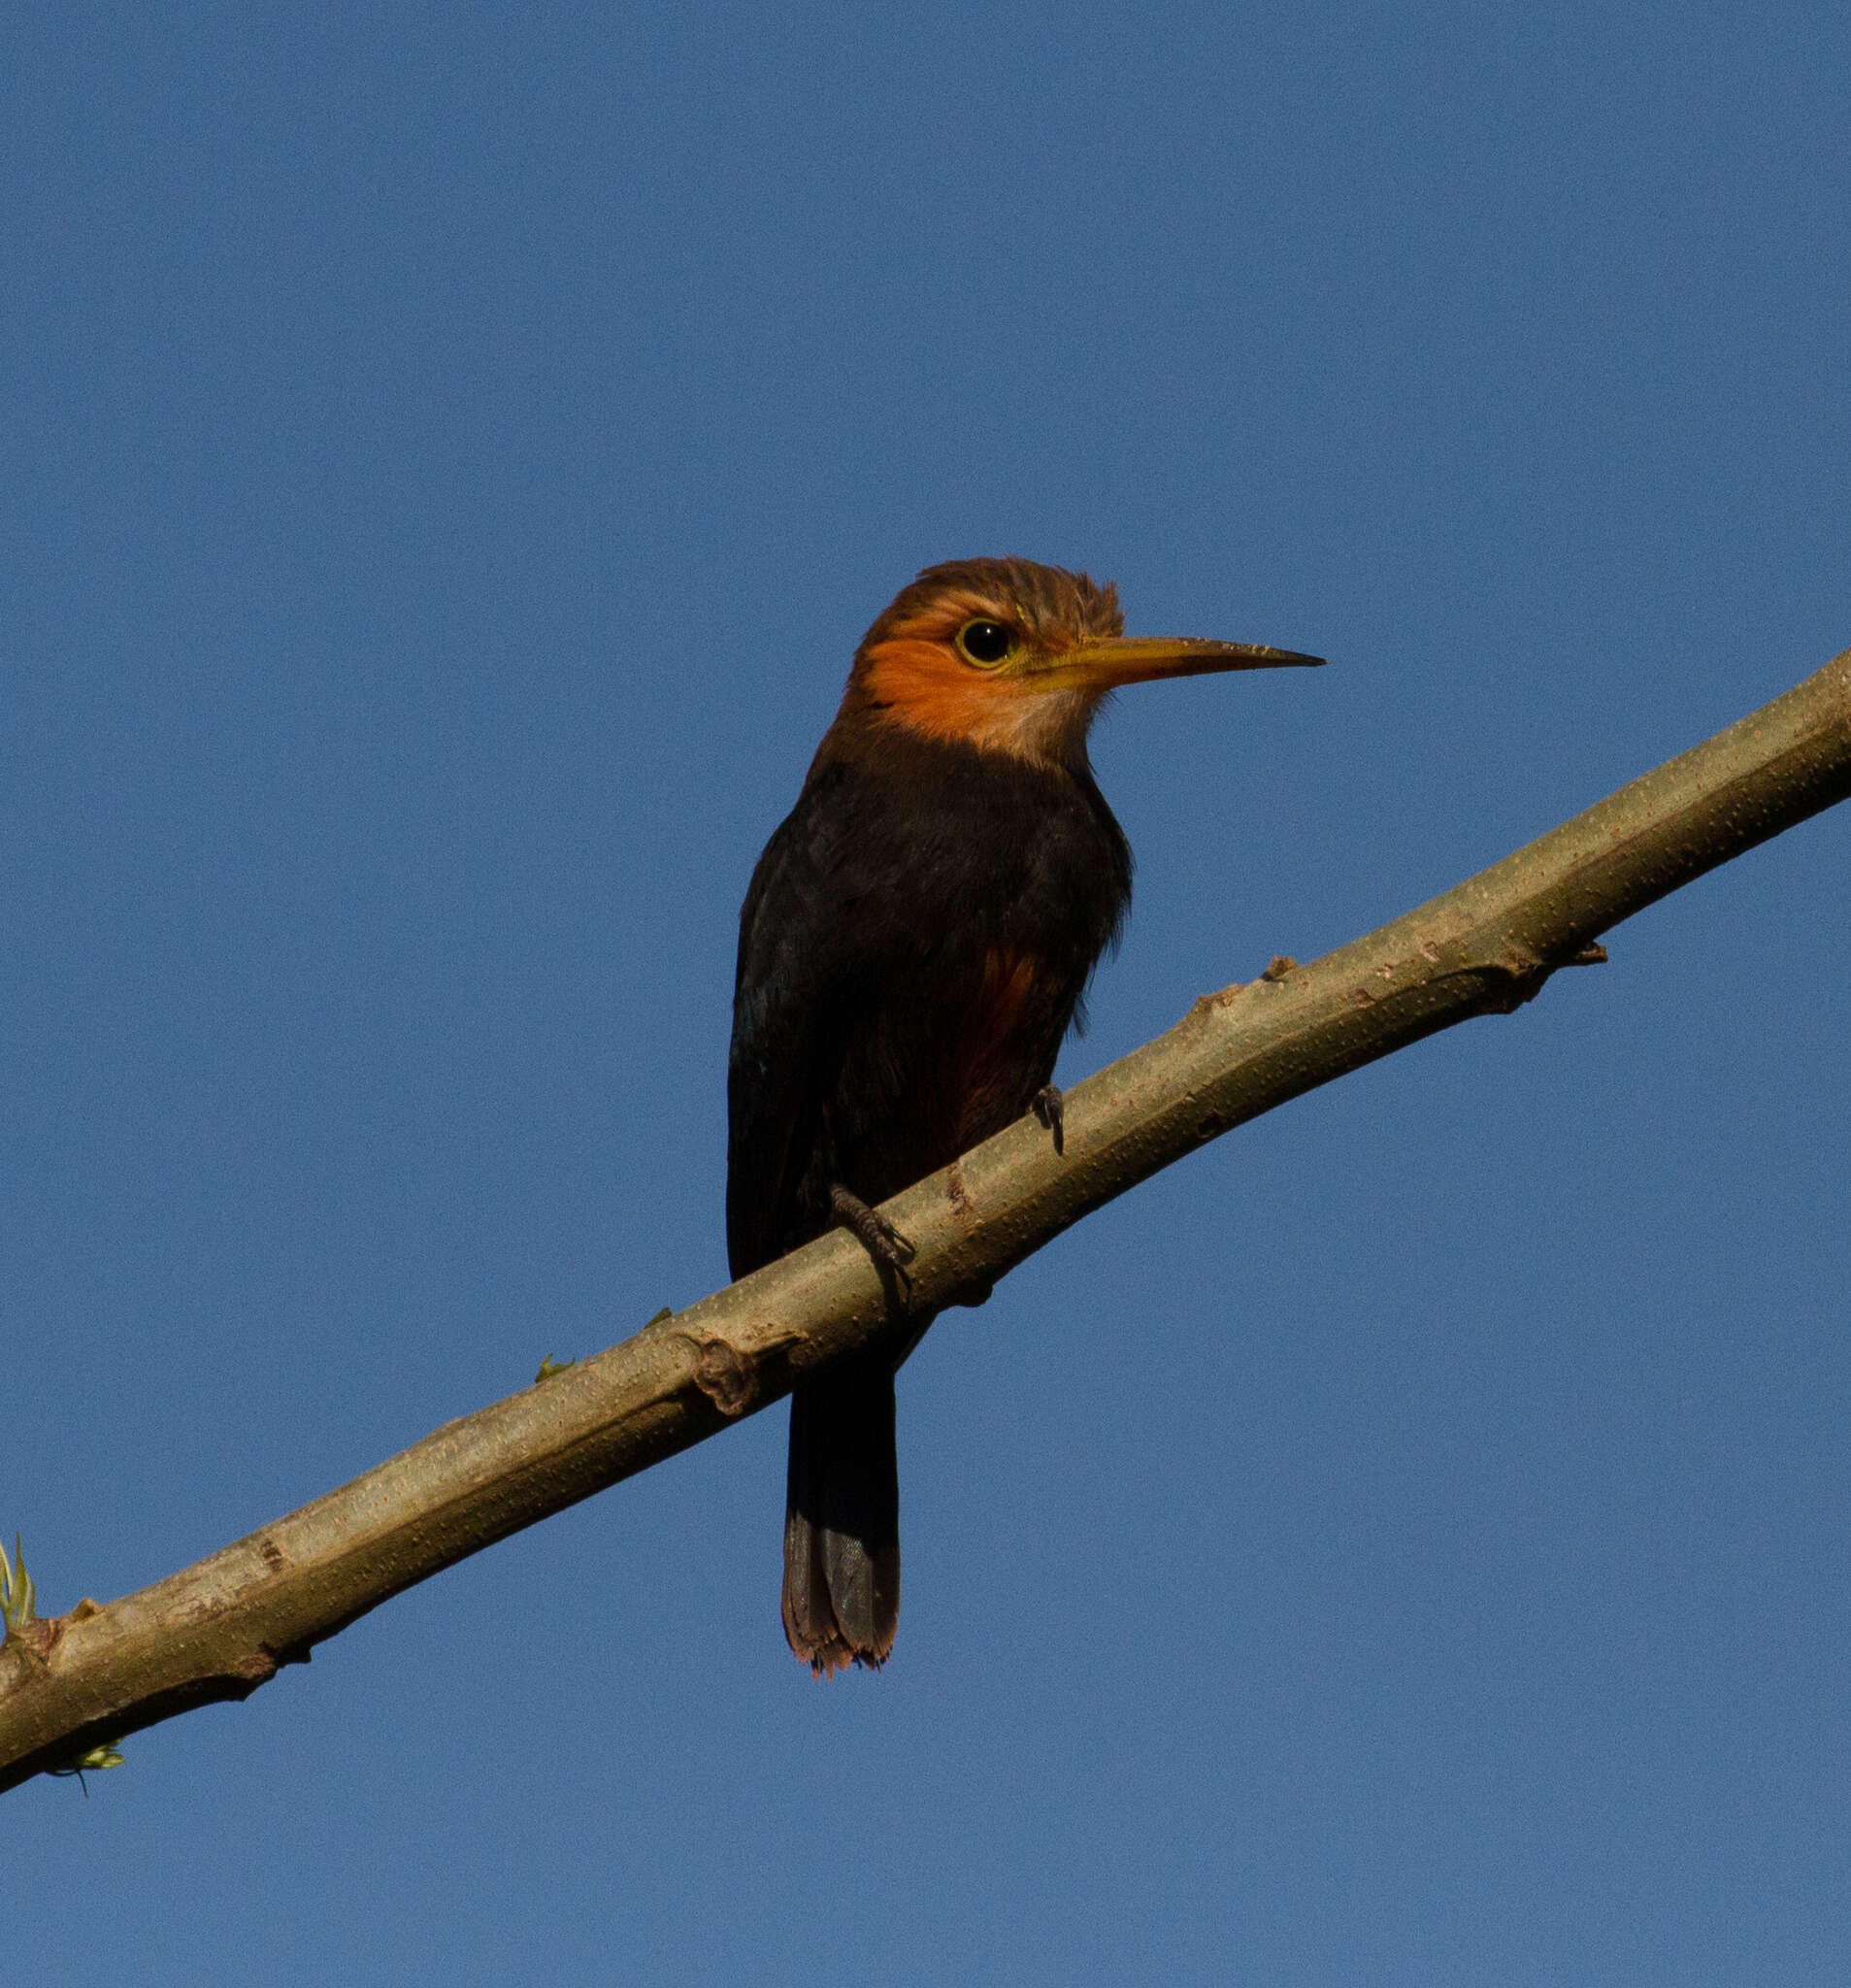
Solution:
(222, 1627)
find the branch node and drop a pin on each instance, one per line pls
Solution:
(1509, 983)
(724, 1374)
(1206, 1005)
(963, 1209)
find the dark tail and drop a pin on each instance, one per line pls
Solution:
(841, 1520)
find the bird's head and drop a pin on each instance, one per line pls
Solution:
(1014, 657)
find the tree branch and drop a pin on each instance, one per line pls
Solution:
(220, 1628)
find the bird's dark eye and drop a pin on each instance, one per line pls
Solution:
(986, 642)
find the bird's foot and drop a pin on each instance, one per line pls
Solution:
(890, 1249)
(1051, 1110)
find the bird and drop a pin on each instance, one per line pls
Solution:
(916, 944)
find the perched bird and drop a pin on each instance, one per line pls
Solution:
(913, 950)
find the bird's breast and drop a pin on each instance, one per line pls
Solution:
(999, 1051)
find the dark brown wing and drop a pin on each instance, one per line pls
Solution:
(806, 961)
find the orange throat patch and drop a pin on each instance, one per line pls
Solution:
(922, 684)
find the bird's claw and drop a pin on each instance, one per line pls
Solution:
(890, 1249)
(1051, 1110)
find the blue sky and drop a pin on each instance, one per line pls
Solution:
(449, 461)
